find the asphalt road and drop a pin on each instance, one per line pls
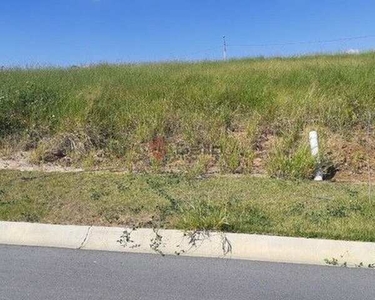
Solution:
(54, 274)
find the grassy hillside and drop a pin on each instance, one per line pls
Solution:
(240, 116)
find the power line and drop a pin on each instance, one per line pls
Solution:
(203, 51)
(226, 46)
(306, 42)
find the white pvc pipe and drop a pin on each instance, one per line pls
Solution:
(314, 145)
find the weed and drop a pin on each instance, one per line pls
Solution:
(200, 167)
(202, 215)
(236, 157)
(157, 242)
(125, 239)
(291, 162)
(332, 262)
(96, 195)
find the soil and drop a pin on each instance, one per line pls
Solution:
(20, 162)
(354, 160)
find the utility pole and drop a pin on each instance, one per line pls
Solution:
(224, 48)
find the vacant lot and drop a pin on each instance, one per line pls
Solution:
(240, 116)
(236, 204)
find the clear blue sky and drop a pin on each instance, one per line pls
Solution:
(66, 32)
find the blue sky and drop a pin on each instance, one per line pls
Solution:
(67, 32)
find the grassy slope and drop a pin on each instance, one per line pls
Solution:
(237, 204)
(208, 113)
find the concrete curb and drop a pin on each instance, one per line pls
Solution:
(172, 242)
(29, 234)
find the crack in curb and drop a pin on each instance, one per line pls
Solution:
(85, 239)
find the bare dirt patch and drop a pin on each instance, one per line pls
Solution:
(21, 161)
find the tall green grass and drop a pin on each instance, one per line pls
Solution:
(215, 108)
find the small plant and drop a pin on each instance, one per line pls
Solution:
(197, 237)
(230, 158)
(95, 195)
(125, 239)
(235, 156)
(291, 163)
(204, 215)
(332, 262)
(157, 242)
(200, 167)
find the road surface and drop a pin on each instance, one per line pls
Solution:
(53, 274)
